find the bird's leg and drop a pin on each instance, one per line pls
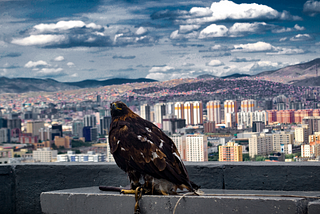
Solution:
(132, 188)
(163, 192)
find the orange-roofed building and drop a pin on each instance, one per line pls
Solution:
(288, 116)
(316, 112)
(272, 116)
(297, 116)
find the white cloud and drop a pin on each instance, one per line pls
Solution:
(141, 31)
(241, 29)
(175, 35)
(48, 72)
(283, 39)
(287, 51)
(213, 30)
(3, 44)
(74, 75)
(161, 69)
(64, 25)
(226, 10)
(297, 27)
(318, 43)
(59, 58)
(164, 76)
(70, 64)
(32, 64)
(301, 37)
(267, 66)
(215, 63)
(253, 47)
(39, 40)
(311, 7)
(188, 28)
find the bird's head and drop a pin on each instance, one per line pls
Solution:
(118, 108)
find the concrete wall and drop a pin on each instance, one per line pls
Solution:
(22, 184)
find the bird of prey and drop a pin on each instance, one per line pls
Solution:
(142, 150)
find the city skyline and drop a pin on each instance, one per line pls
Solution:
(162, 40)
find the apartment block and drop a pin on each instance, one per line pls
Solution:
(230, 152)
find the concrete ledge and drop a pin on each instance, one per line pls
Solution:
(22, 184)
(314, 207)
(92, 200)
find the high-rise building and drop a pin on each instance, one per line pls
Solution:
(169, 108)
(33, 127)
(14, 123)
(3, 123)
(145, 112)
(98, 98)
(230, 152)
(214, 111)
(248, 105)
(268, 105)
(258, 126)
(301, 135)
(159, 112)
(260, 144)
(180, 142)
(313, 123)
(230, 113)
(197, 112)
(56, 128)
(171, 123)
(5, 135)
(45, 134)
(90, 120)
(188, 113)
(62, 141)
(77, 128)
(105, 125)
(179, 110)
(196, 148)
(281, 138)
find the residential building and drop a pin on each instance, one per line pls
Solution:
(5, 135)
(77, 128)
(230, 152)
(196, 148)
(90, 120)
(301, 134)
(105, 125)
(209, 127)
(214, 111)
(260, 144)
(230, 112)
(171, 123)
(180, 142)
(62, 141)
(159, 112)
(248, 105)
(281, 138)
(179, 110)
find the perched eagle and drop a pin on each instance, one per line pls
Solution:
(143, 151)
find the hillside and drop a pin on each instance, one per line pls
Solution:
(115, 81)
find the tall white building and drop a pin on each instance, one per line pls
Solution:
(180, 142)
(230, 113)
(90, 120)
(44, 155)
(301, 135)
(188, 112)
(196, 148)
(197, 112)
(248, 105)
(282, 138)
(159, 112)
(214, 111)
(109, 156)
(179, 110)
(245, 119)
(169, 108)
(145, 112)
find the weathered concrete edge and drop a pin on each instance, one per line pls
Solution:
(74, 202)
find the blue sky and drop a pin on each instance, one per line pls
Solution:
(81, 39)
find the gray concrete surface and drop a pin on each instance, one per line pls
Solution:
(92, 200)
(314, 207)
(22, 184)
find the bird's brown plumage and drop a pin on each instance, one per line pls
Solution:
(142, 149)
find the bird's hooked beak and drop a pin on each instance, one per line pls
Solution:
(115, 107)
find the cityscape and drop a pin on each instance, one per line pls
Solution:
(73, 126)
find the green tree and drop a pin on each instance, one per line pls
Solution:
(246, 157)
(260, 158)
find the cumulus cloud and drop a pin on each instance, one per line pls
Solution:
(283, 39)
(63, 26)
(287, 51)
(236, 59)
(253, 47)
(175, 35)
(39, 40)
(188, 28)
(225, 10)
(123, 57)
(11, 55)
(301, 37)
(32, 64)
(215, 63)
(163, 69)
(59, 58)
(279, 29)
(50, 72)
(213, 30)
(70, 64)
(266, 66)
(242, 29)
(125, 37)
(311, 7)
(141, 31)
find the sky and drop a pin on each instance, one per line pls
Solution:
(162, 39)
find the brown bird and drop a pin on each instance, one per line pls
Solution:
(142, 150)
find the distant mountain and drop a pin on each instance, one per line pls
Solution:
(23, 85)
(292, 73)
(313, 81)
(115, 81)
(234, 76)
(206, 76)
